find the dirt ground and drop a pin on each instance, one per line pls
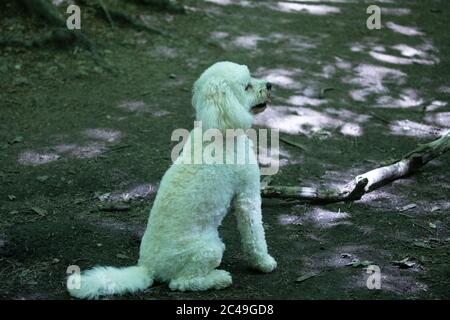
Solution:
(74, 137)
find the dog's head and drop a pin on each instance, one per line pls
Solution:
(226, 96)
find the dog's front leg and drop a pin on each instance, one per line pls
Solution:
(247, 208)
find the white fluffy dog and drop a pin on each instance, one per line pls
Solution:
(181, 245)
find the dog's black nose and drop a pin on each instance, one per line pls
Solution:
(268, 86)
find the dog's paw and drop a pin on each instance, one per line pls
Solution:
(266, 264)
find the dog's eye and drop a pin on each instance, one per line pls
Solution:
(249, 86)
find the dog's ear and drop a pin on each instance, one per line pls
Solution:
(218, 107)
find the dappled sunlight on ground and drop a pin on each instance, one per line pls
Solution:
(435, 105)
(314, 9)
(88, 151)
(140, 107)
(414, 129)
(398, 60)
(328, 71)
(342, 64)
(392, 279)
(301, 101)
(133, 106)
(395, 11)
(404, 30)
(304, 120)
(284, 78)
(222, 2)
(135, 192)
(377, 81)
(294, 120)
(219, 35)
(347, 115)
(286, 219)
(408, 98)
(130, 228)
(81, 151)
(409, 51)
(37, 158)
(85, 150)
(373, 79)
(108, 135)
(439, 118)
(342, 256)
(248, 41)
(424, 53)
(323, 218)
(444, 89)
(381, 198)
(253, 41)
(284, 6)
(351, 129)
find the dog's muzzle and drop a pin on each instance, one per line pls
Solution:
(262, 106)
(259, 108)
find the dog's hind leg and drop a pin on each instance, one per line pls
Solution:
(200, 272)
(216, 279)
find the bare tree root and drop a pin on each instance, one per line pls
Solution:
(134, 22)
(366, 182)
(111, 14)
(60, 35)
(45, 10)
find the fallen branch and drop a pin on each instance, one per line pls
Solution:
(366, 182)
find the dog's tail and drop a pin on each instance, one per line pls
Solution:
(103, 281)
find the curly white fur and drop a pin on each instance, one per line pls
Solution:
(181, 245)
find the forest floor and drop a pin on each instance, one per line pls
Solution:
(73, 134)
